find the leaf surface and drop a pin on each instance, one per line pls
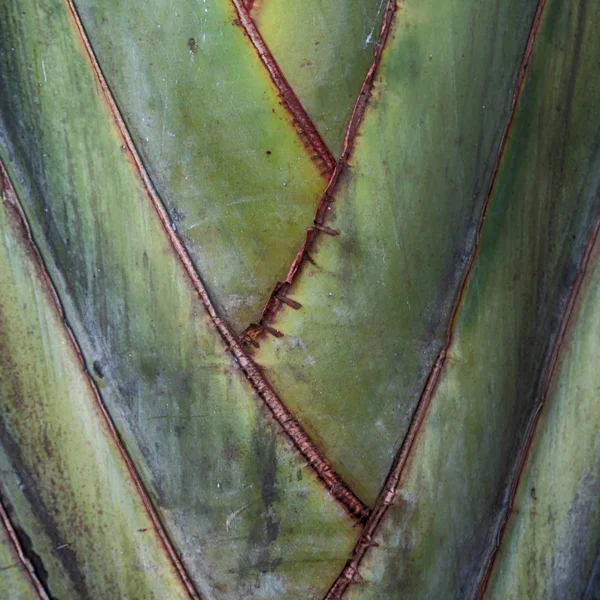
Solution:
(244, 513)
(61, 471)
(553, 531)
(237, 180)
(453, 491)
(324, 49)
(14, 575)
(377, 300)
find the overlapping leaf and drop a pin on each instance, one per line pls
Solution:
(406, 282)
(244, 513)
(325, 50)
(454, 491)
(376, 302)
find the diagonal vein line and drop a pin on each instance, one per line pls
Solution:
(41, 592)
(277, 297)
(545, 386)
(306, 128)
(388, 492)
(294, 431)
(10, 197)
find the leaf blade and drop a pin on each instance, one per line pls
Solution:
(52, 431)
(325, 50)
(406, 211)
(530, 253)
(237, 500)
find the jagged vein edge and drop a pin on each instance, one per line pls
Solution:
(278, 298)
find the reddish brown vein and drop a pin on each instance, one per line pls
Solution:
(306, 128)
(19, 551)
(545, 386)
(388, 493)
(278, 296)
(295, 432)
(11, 198)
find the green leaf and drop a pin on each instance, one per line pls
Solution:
(239, 185)
(377, 300)
(14, 574)
(454, 489)
(552, 537)
(412, 413)
(239, 504)
(325, 50)
(61, 468)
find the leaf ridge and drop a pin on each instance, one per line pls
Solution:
(11, 198)
(41, 591)
(279, 294)
(302, 121)
(387, 495)
(293, 430)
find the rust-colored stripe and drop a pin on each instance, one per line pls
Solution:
(18, 548)
(294, 431)
(387, 494)
(306, 128)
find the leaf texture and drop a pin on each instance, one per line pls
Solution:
(325, 50)
(61, 471)
(377, 300)
(239, 184)
(454, 486)
(553, 531)
(16, 571)
(239, 504)
(414, 412)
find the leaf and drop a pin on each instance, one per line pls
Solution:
(16, 571)
(61, 466)
(423, 366)
(237, 501)
(236, 178)
(376, 303)
(559, 487)
(325, 50)
(470, 432)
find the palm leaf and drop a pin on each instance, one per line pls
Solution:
(199, 399)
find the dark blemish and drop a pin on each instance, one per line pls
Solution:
(299, 475)
(230, 453)
(533, 496)
(178, 215)
(269, 152)
(98, 369)
(192, 45)
(142, 530)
